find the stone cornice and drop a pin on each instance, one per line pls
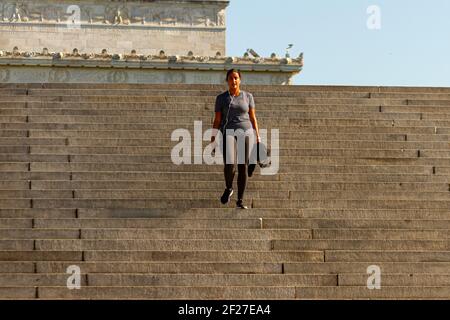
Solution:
(161, 61)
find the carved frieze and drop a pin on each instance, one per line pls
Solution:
(113, 13)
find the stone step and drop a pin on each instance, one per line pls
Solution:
(213, 92)
(211, 213)
(333, 150)
(134, 136)
(356, 245)
(240, 223)
(181, 177)
(285, 160)
(131, 280)
(211, 99)
(372, 195)
(166, 160)
(387, 256)
(145, 134)
(214, 203)
(189, 92)
(375, 119)
(13, 133)
(124, 203)
(35, 194)
(15, 293)
(193, 234)
(16, 245)
(379, 233)
(159, 245)
(161, 267)
(362, 178)
(178, 116)
(204, 256)
(138, 194)
(229, 280)
(34, 176)
(209, 193)
(434, 268)
(5, 166)
(205, 109)
(269, 223)
(398, 280)
(363, 293)
(319, 126)
(158, 123)
(164, 195)
(168, 293)
(351, 204)
(33, 280)
(244, 293)
(33, 141)
(249, 223)
(434, 153)
(410, 96)
(226, 245)
(343, 268)
(172, 168)
(25, 157)
(182, 280)
(37, 213)
(14, 185)
(89, 185)
(285, 143)
(13, 119)
(220, 213)
(428, 102)
(423, 109)
(18, 267)
(442, 130)
(15, 223)
(35, 255)
(39, 234)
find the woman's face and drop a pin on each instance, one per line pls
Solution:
(234, 81)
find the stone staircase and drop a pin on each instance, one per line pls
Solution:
(86, 179)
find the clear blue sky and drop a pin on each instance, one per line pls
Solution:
(412, 48)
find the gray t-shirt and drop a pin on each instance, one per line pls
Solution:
(238, 117)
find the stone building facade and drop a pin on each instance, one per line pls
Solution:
(134, 41)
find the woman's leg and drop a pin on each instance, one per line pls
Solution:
(242, 171)
(228, 157)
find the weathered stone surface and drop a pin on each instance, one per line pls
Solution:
(87, 180)
(91, 26)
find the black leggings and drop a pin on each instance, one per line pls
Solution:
(230, 168)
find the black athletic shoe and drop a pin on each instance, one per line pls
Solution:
(240, 205)
(226, 196)
(251, 168)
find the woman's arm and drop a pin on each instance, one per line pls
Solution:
(216, 124)
(252, 113)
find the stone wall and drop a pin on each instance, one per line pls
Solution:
(176, 27)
